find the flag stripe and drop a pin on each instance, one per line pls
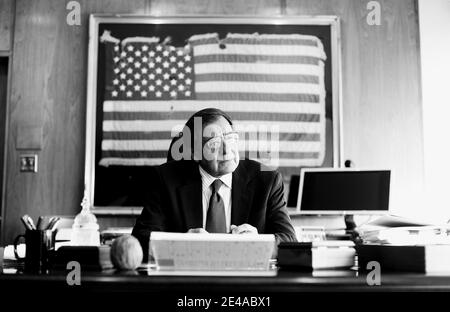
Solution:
(163, 154)
(297, 162)
(136, 154)
(258, 58)
(256, 78)
(263, 97)
(250, 87)
(193, 106)
(131, 161)
(263, 49)
(185, 115)
(175, 126)
(136, 135)
(289, 164)
(248, 145)
(265, 41)
(162, 135)
(305, 137)
(255, 68)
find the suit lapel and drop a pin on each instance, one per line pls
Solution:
(190, 195)
(240, 196)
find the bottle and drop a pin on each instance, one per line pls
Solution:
(85, 229)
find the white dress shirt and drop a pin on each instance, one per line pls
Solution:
(224, 192)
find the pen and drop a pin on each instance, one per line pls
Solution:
(52, 223)
(30, 222)
(43, 223)
(27, 219)
(39, 223)
(25, 223)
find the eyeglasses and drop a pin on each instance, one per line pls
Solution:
(214, 143)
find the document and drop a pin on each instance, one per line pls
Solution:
(212, 252)
(400, 231)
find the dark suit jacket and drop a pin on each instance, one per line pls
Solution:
(174, 201)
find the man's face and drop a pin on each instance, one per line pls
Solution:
(220, 148)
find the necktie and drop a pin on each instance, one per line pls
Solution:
(215, 219)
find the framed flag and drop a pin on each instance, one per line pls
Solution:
(278, 78)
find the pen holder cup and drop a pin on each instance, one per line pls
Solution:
(38, 246)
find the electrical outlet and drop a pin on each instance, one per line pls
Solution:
(28, 163)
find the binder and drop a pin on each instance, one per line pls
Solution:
(419, 258)
(317, 255)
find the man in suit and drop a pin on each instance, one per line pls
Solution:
(213, 190)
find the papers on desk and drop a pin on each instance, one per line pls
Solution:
(390, 221)
(399, 231)
(8, 253)
(404, 245)
(110, 234)
(212, 252)
(407, 236)
(8, 261)
(151, 269)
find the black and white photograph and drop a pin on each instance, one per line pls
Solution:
(224, 155)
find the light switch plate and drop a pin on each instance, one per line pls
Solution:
(29, 163)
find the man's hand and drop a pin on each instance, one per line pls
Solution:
(197, 230)
(243, 229)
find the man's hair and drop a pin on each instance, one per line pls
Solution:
(207, 116)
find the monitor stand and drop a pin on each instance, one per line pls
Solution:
(334, 222)
(350, 227)
(350, 224)
(338, 227)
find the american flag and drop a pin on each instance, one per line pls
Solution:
(264, 81)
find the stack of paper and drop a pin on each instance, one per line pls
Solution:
(111, 233)
(8, 259)
(213, 252)
(400, 231)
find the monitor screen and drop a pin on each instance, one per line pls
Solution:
(334, 191)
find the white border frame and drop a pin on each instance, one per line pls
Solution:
(96, 19)
(338, 212)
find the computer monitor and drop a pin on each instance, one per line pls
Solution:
(343, 191)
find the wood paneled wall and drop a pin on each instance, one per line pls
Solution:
(48, 95)
(382, 112)
(4, 63)
(381, 91)
(6, 18)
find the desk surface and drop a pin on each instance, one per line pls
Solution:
(122, 291)
(284, 282)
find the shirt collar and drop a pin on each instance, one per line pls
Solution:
(209, 179)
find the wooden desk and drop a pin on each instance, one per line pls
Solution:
(121, 291)
(285, 282)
